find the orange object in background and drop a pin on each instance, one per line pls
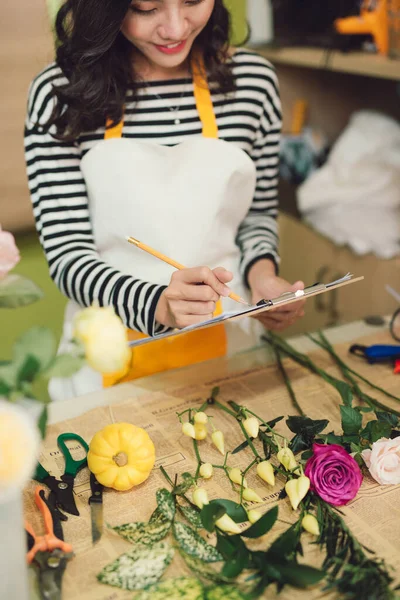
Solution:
(373, 20)
(299, 116)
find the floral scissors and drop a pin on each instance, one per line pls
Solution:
(62, 494)
(48, 553)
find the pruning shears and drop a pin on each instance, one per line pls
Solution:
(378, 353)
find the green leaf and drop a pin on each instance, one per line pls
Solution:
(210, 513)
(186, 484)
(387, 417)
(237, 563)
(306, 425)
(143, 533)
(375, 430)
(16, 291)
(300, 576)
(28, 370)
(42, 422)
(8, 377)
(39, 342)
(273, 422)
(194, 545)
(285, 544)
(166, 504)
(344, 390)
(233, 510)
(351, 420)
(227, 544)
(224, 592)
(178, 588)
(138, 568)
(241, 447)
(64, 365)
(263, 525)
(204, 570)
(192, 515)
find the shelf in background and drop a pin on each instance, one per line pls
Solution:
(357, 63)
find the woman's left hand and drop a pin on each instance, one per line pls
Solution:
(265, 284)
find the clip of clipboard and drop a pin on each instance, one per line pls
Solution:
(262, 306)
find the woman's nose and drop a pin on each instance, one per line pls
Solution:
(173, 27)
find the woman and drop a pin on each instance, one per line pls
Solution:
(148, 124)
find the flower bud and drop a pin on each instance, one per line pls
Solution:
(297, 489)
(200, 497)
(200, 431)
(227, 524)
(310, 524)
(236, 476)
(287, 459)
(251, 426)
(189, 430)
(266, 471)
(253, 515)
(218, 441)
(251, 495)
(206, 470)
(201, 417)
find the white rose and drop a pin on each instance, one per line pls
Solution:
(19, 445)
(104, 339)
(383, 461)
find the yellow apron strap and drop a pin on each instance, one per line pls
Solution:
(114, 131)
(203, 99)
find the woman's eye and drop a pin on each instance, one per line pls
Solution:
(141, 11)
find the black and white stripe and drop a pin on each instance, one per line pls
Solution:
(250, 117)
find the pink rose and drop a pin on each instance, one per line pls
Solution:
(9, 254)
(383, 461)
(334, 474)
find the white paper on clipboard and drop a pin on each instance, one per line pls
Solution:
(287, 298)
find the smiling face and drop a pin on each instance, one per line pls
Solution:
(163, 31)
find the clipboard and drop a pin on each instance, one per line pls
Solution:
(262, 306)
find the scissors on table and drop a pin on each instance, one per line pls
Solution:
(48, 553)
(62, 490)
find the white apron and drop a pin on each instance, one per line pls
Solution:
(186, 201)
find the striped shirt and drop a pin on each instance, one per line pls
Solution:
(249, 117)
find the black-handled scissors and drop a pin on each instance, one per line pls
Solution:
(62, 490)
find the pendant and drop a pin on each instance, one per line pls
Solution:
(177, 121)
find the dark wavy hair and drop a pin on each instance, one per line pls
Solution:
(95, 57)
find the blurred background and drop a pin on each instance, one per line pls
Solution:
(338, 64)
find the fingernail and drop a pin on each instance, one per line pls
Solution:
(226, 291)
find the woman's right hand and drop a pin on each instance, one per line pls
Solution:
(191, 296)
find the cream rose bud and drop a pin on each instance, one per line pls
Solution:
(104, 339)
(383, 461)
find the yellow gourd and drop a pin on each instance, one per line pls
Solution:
(121, 456)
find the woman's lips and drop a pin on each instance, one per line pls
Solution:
(171, 48)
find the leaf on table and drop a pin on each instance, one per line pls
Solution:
(144, 533)
(193, 544)
(206, 571)
(263, 525)
(138, 568)
(192, 515)
(234, 510)
(300, 576)
(179, 588)
(224, 592)
(351, 420)
(165, 504)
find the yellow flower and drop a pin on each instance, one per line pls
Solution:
(297, 489)
(227, 524)
(251, 426)
(310, 524)
(104, 339)
(218, 441)
(253, 515)
(266, 471)
(251, 495)
(206, 470)
(200, 431)
(236, 476)
(201, 418)
(200, 497)
(189, 430)
(19, 445)
(287, 459)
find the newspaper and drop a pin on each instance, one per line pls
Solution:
(374, 516)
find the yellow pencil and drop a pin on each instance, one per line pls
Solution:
(173, 263)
